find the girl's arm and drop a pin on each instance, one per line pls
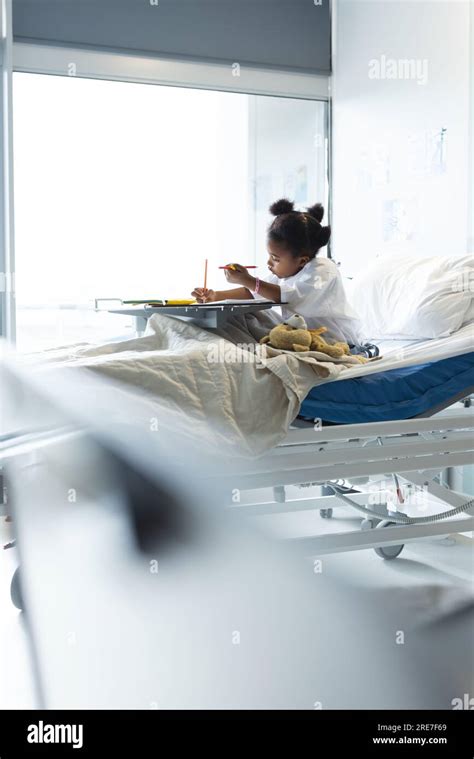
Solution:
(266, 289)
(240, 276)
(239, 293)
(209, 296)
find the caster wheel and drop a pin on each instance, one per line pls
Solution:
(388, 552)
(15, 590)
(325, 513)
(368, 524)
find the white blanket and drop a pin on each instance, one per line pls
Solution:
(212, 381)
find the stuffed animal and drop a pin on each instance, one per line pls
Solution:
(318, 343)
(289, 336)
(294, 335)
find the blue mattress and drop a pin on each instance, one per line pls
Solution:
(394, 394)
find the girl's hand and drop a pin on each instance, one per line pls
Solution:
(238, 275)
(204, 295)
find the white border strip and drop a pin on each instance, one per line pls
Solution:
(231, 77)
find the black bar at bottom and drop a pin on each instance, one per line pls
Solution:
(343, 733)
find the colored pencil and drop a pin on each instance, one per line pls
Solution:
(233, 268)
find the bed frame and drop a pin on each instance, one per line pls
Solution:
(412, 451)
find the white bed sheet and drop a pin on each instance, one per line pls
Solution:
(398, 353)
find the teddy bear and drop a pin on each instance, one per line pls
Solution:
(293, 335)
(318, 343)
(289, 336)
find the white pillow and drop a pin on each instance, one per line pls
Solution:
(409, 297)
(469, 315)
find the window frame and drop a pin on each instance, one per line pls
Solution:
(34, 58)
(7, 255)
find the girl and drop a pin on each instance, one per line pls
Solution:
(303, 283)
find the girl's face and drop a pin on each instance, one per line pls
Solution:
(281, 262)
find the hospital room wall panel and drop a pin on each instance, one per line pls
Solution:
(400, 183)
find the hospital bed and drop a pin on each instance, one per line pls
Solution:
(407, 427)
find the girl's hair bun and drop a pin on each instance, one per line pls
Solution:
(324, 236)
(316, 211)
(281, 206)
(300, 232)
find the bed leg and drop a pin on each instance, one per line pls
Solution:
(326, 513)
(279, 493)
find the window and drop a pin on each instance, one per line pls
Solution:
(122, 190)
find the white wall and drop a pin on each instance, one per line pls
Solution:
(289, 158)
(390, 191)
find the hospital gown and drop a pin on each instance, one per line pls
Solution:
(317, 293)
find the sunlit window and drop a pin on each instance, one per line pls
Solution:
(123, 190)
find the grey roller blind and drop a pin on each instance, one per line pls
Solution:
(287, 34)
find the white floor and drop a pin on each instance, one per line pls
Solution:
(431, 576)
